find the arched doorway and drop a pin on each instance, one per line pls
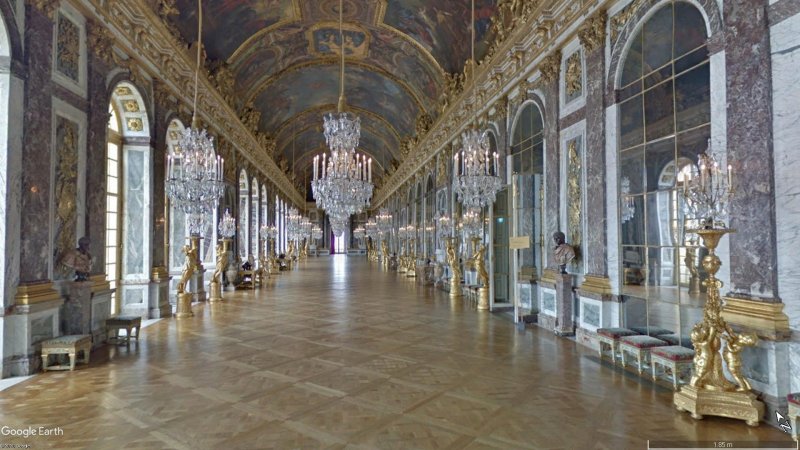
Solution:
(128, 201)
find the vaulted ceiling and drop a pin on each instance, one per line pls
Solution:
(283, 55)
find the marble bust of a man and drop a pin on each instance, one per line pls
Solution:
(564, 253)
(79, 260)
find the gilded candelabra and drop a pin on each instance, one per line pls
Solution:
(215, 286)
(385, 256)
(709, 392)
(455, 269)
(411, 271)
(184, 305)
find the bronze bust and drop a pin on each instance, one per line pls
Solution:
(564, 253)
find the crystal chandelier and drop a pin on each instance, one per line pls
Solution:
(628, 209)
(339, 224)
(227, 226)
(194, 172)
(342, 184)
(443, 226)
(708, 191)
(316, 233)
(384, 222)
(471, 223)
(476, 179)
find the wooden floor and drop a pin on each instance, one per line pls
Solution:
(340, 354)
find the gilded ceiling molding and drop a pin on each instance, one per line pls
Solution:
(321, 109)
(47, 7)
(141, 32)
(550, 67)
(101, 42)
(551, 19)
(262, 86)
(621, 18)
(593, 32)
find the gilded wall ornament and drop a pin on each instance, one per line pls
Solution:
(130, 105)
(224, 81)
(574, 194)
(65, 189)
(251, 116)
(123, 90)
(134, 124)
(573, 76)
(593, 32)
(423, 125)
(550, 67)
(68, 48)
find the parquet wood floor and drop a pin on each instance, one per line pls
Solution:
(342, 355)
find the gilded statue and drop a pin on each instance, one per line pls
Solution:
(290, 250)
(733, 357)
(188, 268)
(479, 262)
(385, 251)
(222, 263)
(452, 259)
(563, 252)
(79, 260)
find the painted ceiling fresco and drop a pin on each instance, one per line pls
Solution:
(284, 56)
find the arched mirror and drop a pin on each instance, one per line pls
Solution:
(665, 123)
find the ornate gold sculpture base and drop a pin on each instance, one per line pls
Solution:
(184, 307)
(735, 405)
(216, 292)
(483, 299)
(455, 288)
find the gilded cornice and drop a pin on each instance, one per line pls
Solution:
(140, 32)
(495, 75)
(263, 85)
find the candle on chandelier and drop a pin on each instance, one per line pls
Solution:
(370, 170)
(222, 169)
(169, 166)
(495, 163)
(324, 166)
(703, 176)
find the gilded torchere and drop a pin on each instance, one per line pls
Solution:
(215, 286)
(455, 268)
(479, 263)
(709, 392)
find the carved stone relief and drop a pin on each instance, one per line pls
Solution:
(574, 192)
(573, 76)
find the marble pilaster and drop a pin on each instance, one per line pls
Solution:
(594, 251)
(749, 92)
(34, 252)
(552, 169)
(96, 154)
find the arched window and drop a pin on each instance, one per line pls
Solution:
(527, 162)
(128, 212)
(254, 219)
(177, 222)
(430, 226)
(665, 122)
(244, 213)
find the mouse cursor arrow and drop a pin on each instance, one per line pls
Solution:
(786, 427)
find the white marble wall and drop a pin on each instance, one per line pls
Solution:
(785, 44)
(612, 200)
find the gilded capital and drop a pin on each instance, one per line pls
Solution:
(593, 32)
(47, 7)
(101, 41)
(551, 66)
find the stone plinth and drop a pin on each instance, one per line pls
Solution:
(198, 285)
(565, 324)
(76, 315)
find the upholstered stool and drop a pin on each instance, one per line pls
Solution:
(128, 323)
(678, 359)
(652, 331)
(609, 337)
(673, 339)
(794, 413)
(71, 345)
(247, 278)
(638, 346)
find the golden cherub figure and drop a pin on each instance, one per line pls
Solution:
(733, 357)
(479, 262)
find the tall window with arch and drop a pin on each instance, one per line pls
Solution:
(527, 163)
(244, 213)
(128, 210)
(254, 218)
(665, 123)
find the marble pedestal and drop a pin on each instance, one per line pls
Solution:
(159, 306)
(565, 324)
(198, 285)
(455, 287)
(216, 292)
(76, 313)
